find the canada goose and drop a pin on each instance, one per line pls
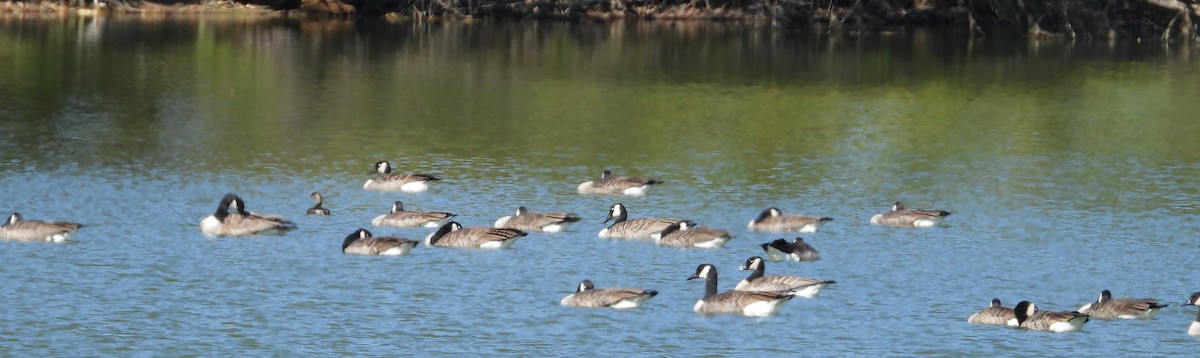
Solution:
(901, 216)
(361, 242)
(386, 180)
(684, 234)
(317, 209)
(798, 286)
(587, 295)
(797, 250)
(995, 314)
(411, 218)
(639, 228)
(609, 184)
(773, 220)
(240, 222)
(1107, 307)
(18, 229)
(748, 303)
(1028, 316)
(454, 234)
(1194, 329)
(531, 221)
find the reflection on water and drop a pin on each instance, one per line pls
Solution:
(1069, 168)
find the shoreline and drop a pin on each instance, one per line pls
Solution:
(1154, 20)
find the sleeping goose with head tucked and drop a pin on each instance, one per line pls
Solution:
(1029, 317)
(18, 229)
(684, 234)
(232, 219)
(1107, 307)
(995, 314)
(797, 250)
(905, 217)
(587, 295)
(774, 220)
(531, 221)
(453, 234)
(411, 218)
(362, 242)
(612, 184)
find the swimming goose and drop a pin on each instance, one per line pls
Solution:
(995, 314)
(1028, 316)
(639, 228)
(609, 184)
(240, 222)
(18, 229)
(531, 221)
(748, 303)
(773, 220)
(901, 216)
(361, 242)
(411, 218)
(684, 234)
(798, 286)
(1194, 329)
(797, 250)
(386, 180)
(1107, 307)
(317, 209)
(454, 234)
(587, 295)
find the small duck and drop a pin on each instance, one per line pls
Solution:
(1107, 307)
(609, 184)
(995, 314)
(1029, 317)
(232, 219)
(904, 217)
(797, 250)
(361, 242)
(18, 229)
(684, 234)
(639, 228)
(795, 285)
(773, 220)
(317, 209)
(411, 218)
(747, 303)
(386, 180)
(531, 221)
(454, 234)
(587, 295)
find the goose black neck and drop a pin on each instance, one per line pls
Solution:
(762, 216)
(222, 212)
(442, 231)
(668, 231)
(710, 285)
(620, 217)
(1021, 312)
(349, 239)
(758, 271)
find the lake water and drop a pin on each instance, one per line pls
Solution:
(1070, 168)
